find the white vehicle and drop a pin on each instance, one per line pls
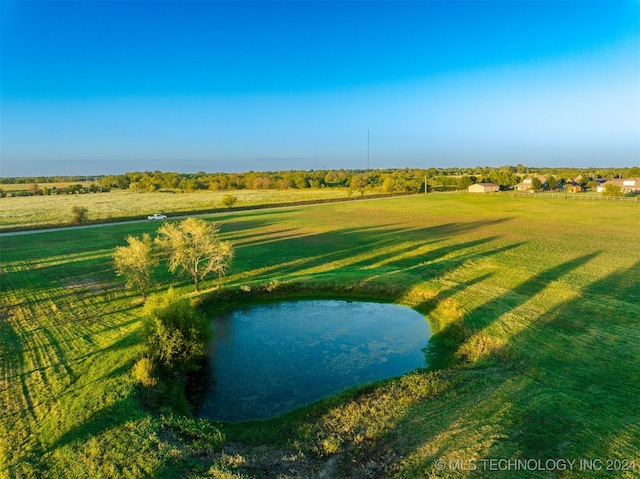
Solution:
(157, 216)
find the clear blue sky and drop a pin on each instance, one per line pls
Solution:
(108, 87)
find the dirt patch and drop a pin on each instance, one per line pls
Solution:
(364, 462)
(90, 285)
(264, 462)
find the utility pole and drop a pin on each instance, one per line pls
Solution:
(367, 148)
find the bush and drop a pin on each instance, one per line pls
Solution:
(144, 373)
(80, 214)
(177, 335)
(229, 200)
(611, 189)
(478, 348)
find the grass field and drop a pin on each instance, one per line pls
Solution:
(534, 306)
(19, 187)
(34, 211)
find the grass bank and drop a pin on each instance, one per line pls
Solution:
(536, 304)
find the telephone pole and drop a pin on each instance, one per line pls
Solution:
(367, 148)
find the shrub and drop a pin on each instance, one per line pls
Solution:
(144, 373)
(229, 200)
(80, 214)
(273, 285)
(177, 334)
(611, 189)
(480, 347)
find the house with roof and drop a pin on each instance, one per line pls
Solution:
(627, 185)
(572, 187)
(483, 188)
(527, 183)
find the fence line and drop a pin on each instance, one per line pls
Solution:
(579, 197)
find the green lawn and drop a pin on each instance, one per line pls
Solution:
(534, 306)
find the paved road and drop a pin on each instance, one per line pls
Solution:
(114, 223)
(241, 211)
(63, 228)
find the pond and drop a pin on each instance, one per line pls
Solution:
(269, 359)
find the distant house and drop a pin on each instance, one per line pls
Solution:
(571, 187)
(627, 185)
(527, 185)
(484, 188)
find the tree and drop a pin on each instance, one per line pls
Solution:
(611, 189)
(135, 261)
(464, 182)
(80, 214)
(552, 182)
(193, 246)
(536, 184)
(359, 182)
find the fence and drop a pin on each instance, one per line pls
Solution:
(579, 197)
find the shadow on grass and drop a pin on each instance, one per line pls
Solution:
(582, 367)
(371, 247)
(100, 421)
(571, 393)
(566, 388)
(17, 408)
(451, 337)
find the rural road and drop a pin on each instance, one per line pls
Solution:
(114, 223)
(240, 211)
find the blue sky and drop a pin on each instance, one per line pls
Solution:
(115, 86)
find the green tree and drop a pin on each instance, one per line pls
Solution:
(552, 182)
(464, 182)
(611, 189)
(359, 182)
(536, 184)
(135, 261)
(229, 200)
(80, 214)
(177, 334)
(194, 247)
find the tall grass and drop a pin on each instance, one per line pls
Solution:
(534, 308)
(33, 211)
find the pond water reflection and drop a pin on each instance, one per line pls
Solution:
(269, 359)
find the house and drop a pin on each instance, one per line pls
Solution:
(527, 185)
(627, 185)
(484, 188)
(572, 187)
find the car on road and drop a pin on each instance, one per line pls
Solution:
(157, 216)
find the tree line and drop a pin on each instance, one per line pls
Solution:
(383, 180)
(34, 189)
